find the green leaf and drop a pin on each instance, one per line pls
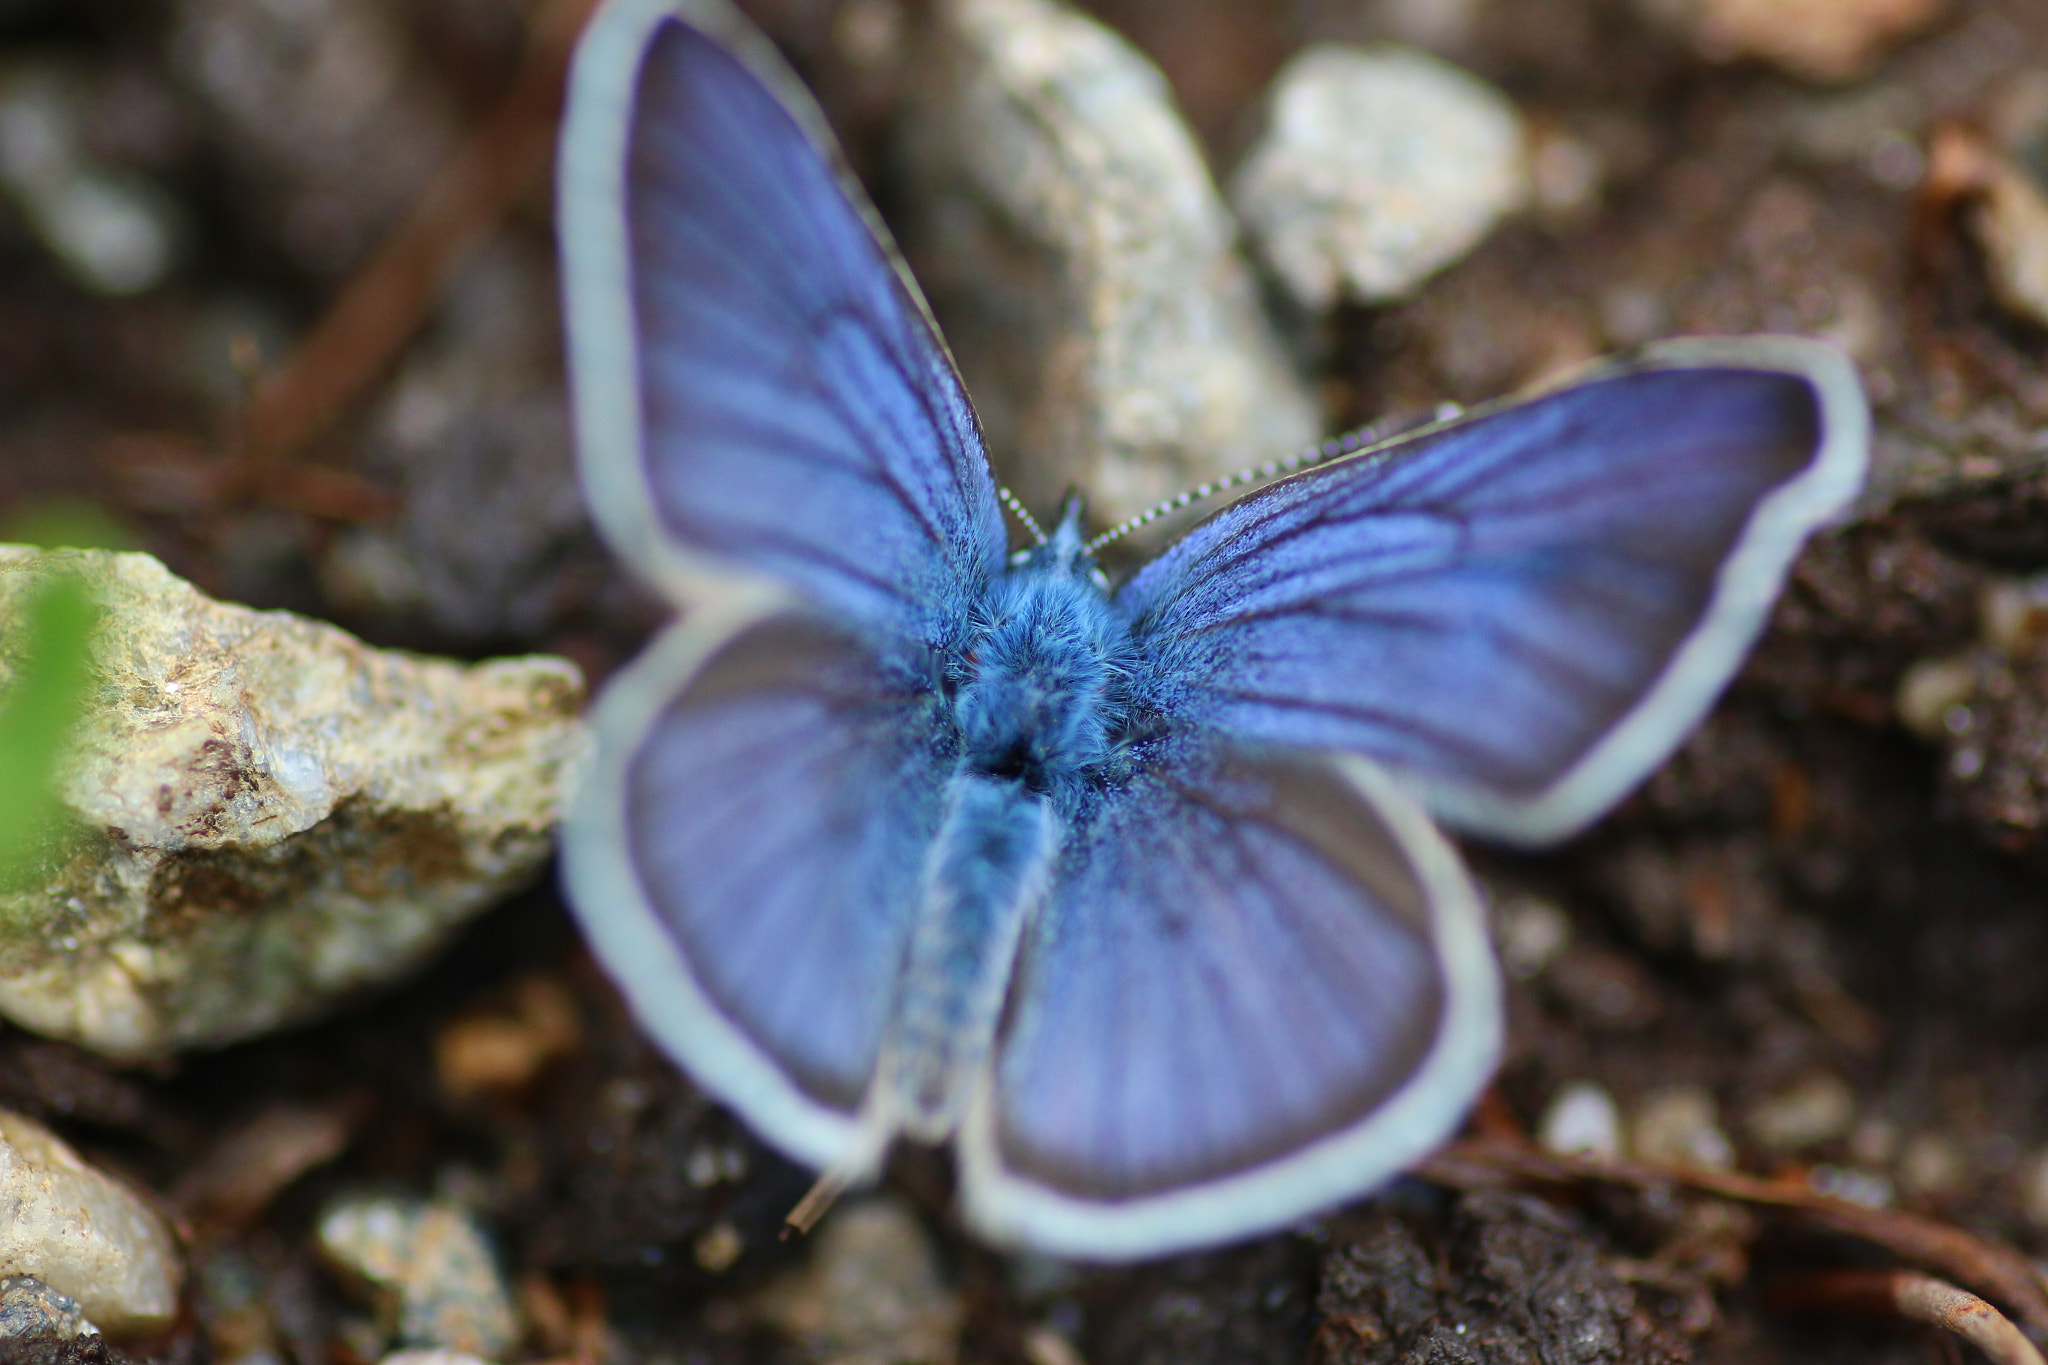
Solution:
(39, 710)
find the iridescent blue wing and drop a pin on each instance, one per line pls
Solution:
(745, 856)
(1260, 985)
(1525, 609)
(757, 382)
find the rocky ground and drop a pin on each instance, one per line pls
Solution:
(277, 299)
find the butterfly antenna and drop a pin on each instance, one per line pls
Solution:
(1022, 514)
(1350, 443)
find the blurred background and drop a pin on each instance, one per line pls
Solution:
(278, 305)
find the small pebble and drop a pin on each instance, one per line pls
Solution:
(1932, 1166)
(433, 1267)
(83, 1234)
(871, 1294)
(1815, 1109)
(1564, 175)
(28, 1307)
(1582, 1117)
(1531, 932)
(1379, 167)
(1680, 1126)
(1851, 1185)
(2013, 613)
(1607, 990)
(1820, 40)
(718, 1247)
(1930, 691)
(1048, 1346)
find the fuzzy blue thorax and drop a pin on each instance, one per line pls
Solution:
(1038, 689)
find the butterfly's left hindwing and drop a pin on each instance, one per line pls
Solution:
(747, 853)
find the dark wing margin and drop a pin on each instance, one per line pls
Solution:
(1523, 610)
(757, 382)
(1261, 985)
(745, 853)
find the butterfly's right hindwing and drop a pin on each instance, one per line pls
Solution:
(1259, 985)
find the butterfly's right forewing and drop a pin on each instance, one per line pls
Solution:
(757, 384)
(1522, 611)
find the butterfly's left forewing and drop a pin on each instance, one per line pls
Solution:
(758, 385)
(1260, 984)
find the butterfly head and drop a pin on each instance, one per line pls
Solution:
(1065, 553)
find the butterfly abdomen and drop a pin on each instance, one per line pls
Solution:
(985, 876)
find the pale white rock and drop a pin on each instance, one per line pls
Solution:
(1581, 1118)
(1087, 273)
(83, 1234)
(1379, 166)
(265, 813)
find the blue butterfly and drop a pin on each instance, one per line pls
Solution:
(1129, 895)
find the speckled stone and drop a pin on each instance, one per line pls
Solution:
(432, 1268)
(265, 813)
(83, 1235)
(28, 1307)
(1379, 166)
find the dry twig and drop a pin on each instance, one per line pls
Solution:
(1996, 1271)
(1916, 1297)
